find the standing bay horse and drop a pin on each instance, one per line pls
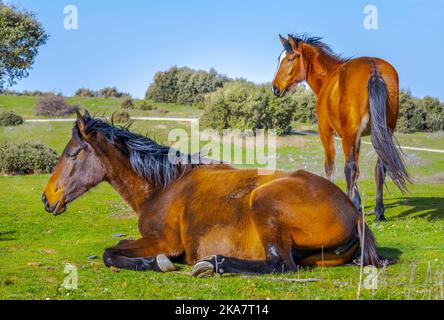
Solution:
(355, 97)
(225, 219)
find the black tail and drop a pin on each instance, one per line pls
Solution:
(382, 137)
(368, 245)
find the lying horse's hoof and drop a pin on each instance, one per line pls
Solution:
(203, 269)
(165, 264)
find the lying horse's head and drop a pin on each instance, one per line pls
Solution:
(78, 170)
(99, 151)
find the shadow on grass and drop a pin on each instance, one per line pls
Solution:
(390, 253)
(7, 234)
(430, 208)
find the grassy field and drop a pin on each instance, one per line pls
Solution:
(35, 246)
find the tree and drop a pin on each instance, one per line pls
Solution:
(21, 35)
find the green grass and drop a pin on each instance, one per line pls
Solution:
(34, 246)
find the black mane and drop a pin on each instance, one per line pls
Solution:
(318, 43)
(148, 158)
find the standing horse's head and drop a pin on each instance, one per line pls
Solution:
(291, 66)
(78, 170)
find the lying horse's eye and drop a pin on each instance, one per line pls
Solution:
(74, 153)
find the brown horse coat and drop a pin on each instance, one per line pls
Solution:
(355, 97)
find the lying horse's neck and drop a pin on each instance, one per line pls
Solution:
(133, 188)
(320, 65)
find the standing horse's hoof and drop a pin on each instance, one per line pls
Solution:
(380, 219)
(203, 269)
(164, 264)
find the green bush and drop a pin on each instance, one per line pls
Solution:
(9, 118)
(85, 92)
(127, 103)
(112, 92)
(415, 114)
(54, 106)
(26, 158)
(246, 106)
(184, 85)
(145, 106)
(121, 117)
(304, 101)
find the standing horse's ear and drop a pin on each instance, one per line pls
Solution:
(81, 124)
(286, 44)
(293, 42)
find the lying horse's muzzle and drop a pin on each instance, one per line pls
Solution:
(56, 209)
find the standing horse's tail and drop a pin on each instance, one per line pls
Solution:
(382, 136)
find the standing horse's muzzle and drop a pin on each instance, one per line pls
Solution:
(276, 91)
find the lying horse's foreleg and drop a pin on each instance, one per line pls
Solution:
(134, 255)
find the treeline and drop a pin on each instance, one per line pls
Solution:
(107, 92)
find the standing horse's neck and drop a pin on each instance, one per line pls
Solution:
(133, 188)
(319, 66)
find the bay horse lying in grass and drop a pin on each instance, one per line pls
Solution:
(355, 97)
(227, 220)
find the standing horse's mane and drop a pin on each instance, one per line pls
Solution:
(318, 43)
(148, 158)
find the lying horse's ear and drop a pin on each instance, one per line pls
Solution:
(81, 124)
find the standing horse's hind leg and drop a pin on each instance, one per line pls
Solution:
(351, 150)
(327, 137)
(379, 178)
(134, 255)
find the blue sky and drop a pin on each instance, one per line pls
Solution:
(123, 43)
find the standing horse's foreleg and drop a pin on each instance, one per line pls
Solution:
(351, 150)
(327, 137)
(380, 172)
(137, 255)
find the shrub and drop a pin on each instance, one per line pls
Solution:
(304, 102)
(54, 106)
(127, 103)
(244, 105)
(85, 92)
(144, 106)
(416, 114)
(184, 85)
(26, 158)
(121, 117)
(112, 92)
(9, 118)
